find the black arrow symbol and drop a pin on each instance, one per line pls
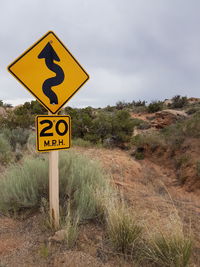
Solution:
(50, 55)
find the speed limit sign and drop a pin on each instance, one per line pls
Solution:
(53, 132)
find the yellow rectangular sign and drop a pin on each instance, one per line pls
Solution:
(53, 132)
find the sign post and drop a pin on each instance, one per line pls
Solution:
(52, 75)
(54, 188)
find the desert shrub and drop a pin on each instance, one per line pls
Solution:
(121, 105)
(137, 122)
(97, 126)
(16, 136)
(174, 135)
(140, 124)
(33, 107)
(31, 143)
(80, 180)
(110, 108)
(122, 127)
(191, 127)
(139, 109)
(169, 251)
(82, 120)
(152, 139)
(23, 116)
(5, 150)
(170, 138)
(101, 128)
(192, 110)
(179, 102)
(139, 103)
(155, 106)
(168, 242)
(81, 142)
(24, 185)
(124, 233)
(139, 155)
(14, 120)
(144, 126)
(71, 228)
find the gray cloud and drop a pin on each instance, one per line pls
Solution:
(132, 49)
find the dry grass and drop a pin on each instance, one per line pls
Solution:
(124, 232)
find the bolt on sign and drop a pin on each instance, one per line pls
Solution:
(53, 132)
(50, 72)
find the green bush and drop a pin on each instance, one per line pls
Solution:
(14, 120)
(179, 102)
(23, 186)
(155, 106)
(144, 126)
(31, 143)
(97, 126)
(191, 127)
(122, 127)
(80, 180)
(139, 155)
(192, 110)
(121, 105)
(16, 136)
(153, 139)
(139, 103)
(5, 150)
(139, 109)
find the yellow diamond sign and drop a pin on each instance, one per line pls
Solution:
(50, 72)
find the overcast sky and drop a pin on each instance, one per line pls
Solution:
(132, 49)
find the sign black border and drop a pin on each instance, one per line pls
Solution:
(13, 63)
(52, 116)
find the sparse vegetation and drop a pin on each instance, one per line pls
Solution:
(171, 136)
(86, 192)
(71, 228)
(139, 155)
(181, 161)
(123, 231)
(179, 101)
(81, 142)
(169, 251)
(5, 150)
(155, 106)
(23, 186)
(113, 128)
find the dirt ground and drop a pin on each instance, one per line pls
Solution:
(149, 189)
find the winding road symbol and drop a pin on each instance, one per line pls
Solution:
(49, 72)
(49, 54)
